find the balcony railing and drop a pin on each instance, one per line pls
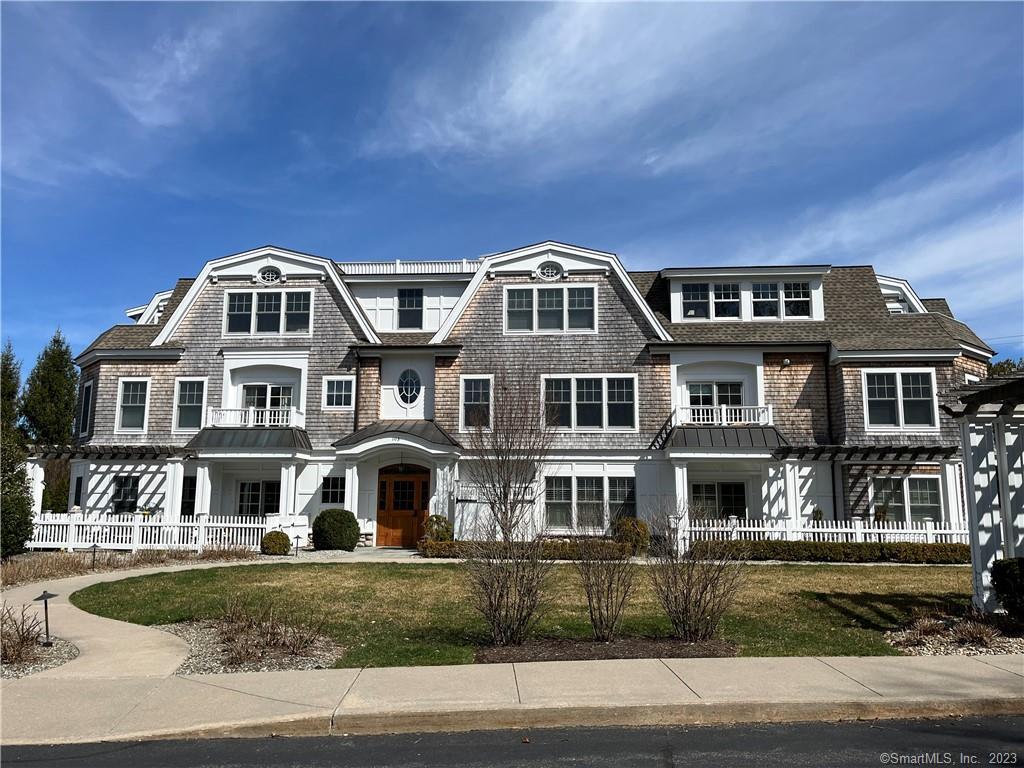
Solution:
(724, 415)
(256, 417)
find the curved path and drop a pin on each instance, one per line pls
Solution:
(123, 686)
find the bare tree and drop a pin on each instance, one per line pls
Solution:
(695, 585)
(607, 576)
(505, 558)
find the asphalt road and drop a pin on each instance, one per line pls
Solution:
(964, 741)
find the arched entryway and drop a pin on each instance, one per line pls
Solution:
(403, 497)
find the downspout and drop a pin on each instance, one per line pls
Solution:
(355, 410)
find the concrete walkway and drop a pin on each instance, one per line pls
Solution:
(122, 686)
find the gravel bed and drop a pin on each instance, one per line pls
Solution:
(206, 654)
(944, 644)
(59, 653)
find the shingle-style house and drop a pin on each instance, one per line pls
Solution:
(278, 383)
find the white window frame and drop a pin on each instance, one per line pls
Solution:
(118, 429)
(904, 481)
(328, 504)
(462, 400)
(565, 330)
(281, 320)
(323, 394)
(714, 391)
(573, 507)
(398, 310)
(717, 482)
(901, 427)
(746, 286)
(83, 430)
(604, 400)
(177, 390)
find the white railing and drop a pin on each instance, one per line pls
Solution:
(399, 267)
(724, 415)
(735, 529)
(255, 417)
(76, 530)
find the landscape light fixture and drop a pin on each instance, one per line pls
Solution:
(46, 597)
(94, 548)
(297, 537)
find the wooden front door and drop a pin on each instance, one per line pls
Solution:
(403, 495)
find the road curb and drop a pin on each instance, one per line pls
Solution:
(712, 713)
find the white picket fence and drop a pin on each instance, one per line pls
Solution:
(134, 532)
(822, 530)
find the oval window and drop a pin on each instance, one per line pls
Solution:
(270, 275)
(409, 386)
(549, 270)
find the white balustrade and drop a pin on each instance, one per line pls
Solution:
(256, 417)
(724, 415)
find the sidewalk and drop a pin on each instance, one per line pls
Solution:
(122, 686)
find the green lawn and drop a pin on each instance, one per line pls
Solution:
(387, 614)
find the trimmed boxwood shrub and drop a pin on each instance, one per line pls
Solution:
(275, 543)
(1008, 583)
(632, 533)
(554, 549)
(842, 552)
(335, 529)
(438, 528)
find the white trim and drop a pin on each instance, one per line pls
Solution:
(572, 376)
(87, 388)
(208, 269)
(398, 310)
(976, 351)
(280, 357)
(202, 414)
(252, 333)
(145, 413)
(902, 286)
(462, 399)
(393, 440)
(573, 473)
(904, 482)
(798, 270)
(490, 261)
(901, 427)
(745, 284)
(565, 330)
(323, 393)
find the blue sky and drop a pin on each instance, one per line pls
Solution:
(140, 140)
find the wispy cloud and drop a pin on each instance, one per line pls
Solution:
(670, 88)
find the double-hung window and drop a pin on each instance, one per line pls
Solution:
(332, 490)
(797, 299)
(900, 399)
(339, 393)
(126, 494)
(188, 407)
(556, 309)
(476, 402)
(727, 300)
(410, 309)
(765, 299)
(907, 499)
(85, 414)
(621, 497)
(590, 402)
(705, 395)
(590, 502)
(268, 312)
(587, 502)
(695, 301)
(558, 502)
(133, 404)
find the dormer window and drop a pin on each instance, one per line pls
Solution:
(568, 308)
(763, 294)
(727, 300)
(765, 297)
(797, 299)
(695, 301)
(268, 313)
(410, 309)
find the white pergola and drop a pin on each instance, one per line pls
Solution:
(991, 418)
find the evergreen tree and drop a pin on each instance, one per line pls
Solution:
(10, 386)
(15, 496)
(1009, 365)
(50, 394)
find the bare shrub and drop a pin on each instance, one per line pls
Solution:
(20, 633)
(250, 630)
(975, 633)
(927, 626)
(695, 589)
(607, 580)
(505, 556)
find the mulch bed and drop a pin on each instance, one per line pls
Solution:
(552, 649)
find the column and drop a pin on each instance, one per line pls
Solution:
(1006, 513)
(681, 513)
(286, 508)
(951, 492)
(34, 468)
(174, 477)
(792, 475)
(204, 489)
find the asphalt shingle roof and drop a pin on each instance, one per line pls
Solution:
(856, 318)
(133, 336)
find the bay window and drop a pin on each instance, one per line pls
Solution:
(900, 399)
(590, 402)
